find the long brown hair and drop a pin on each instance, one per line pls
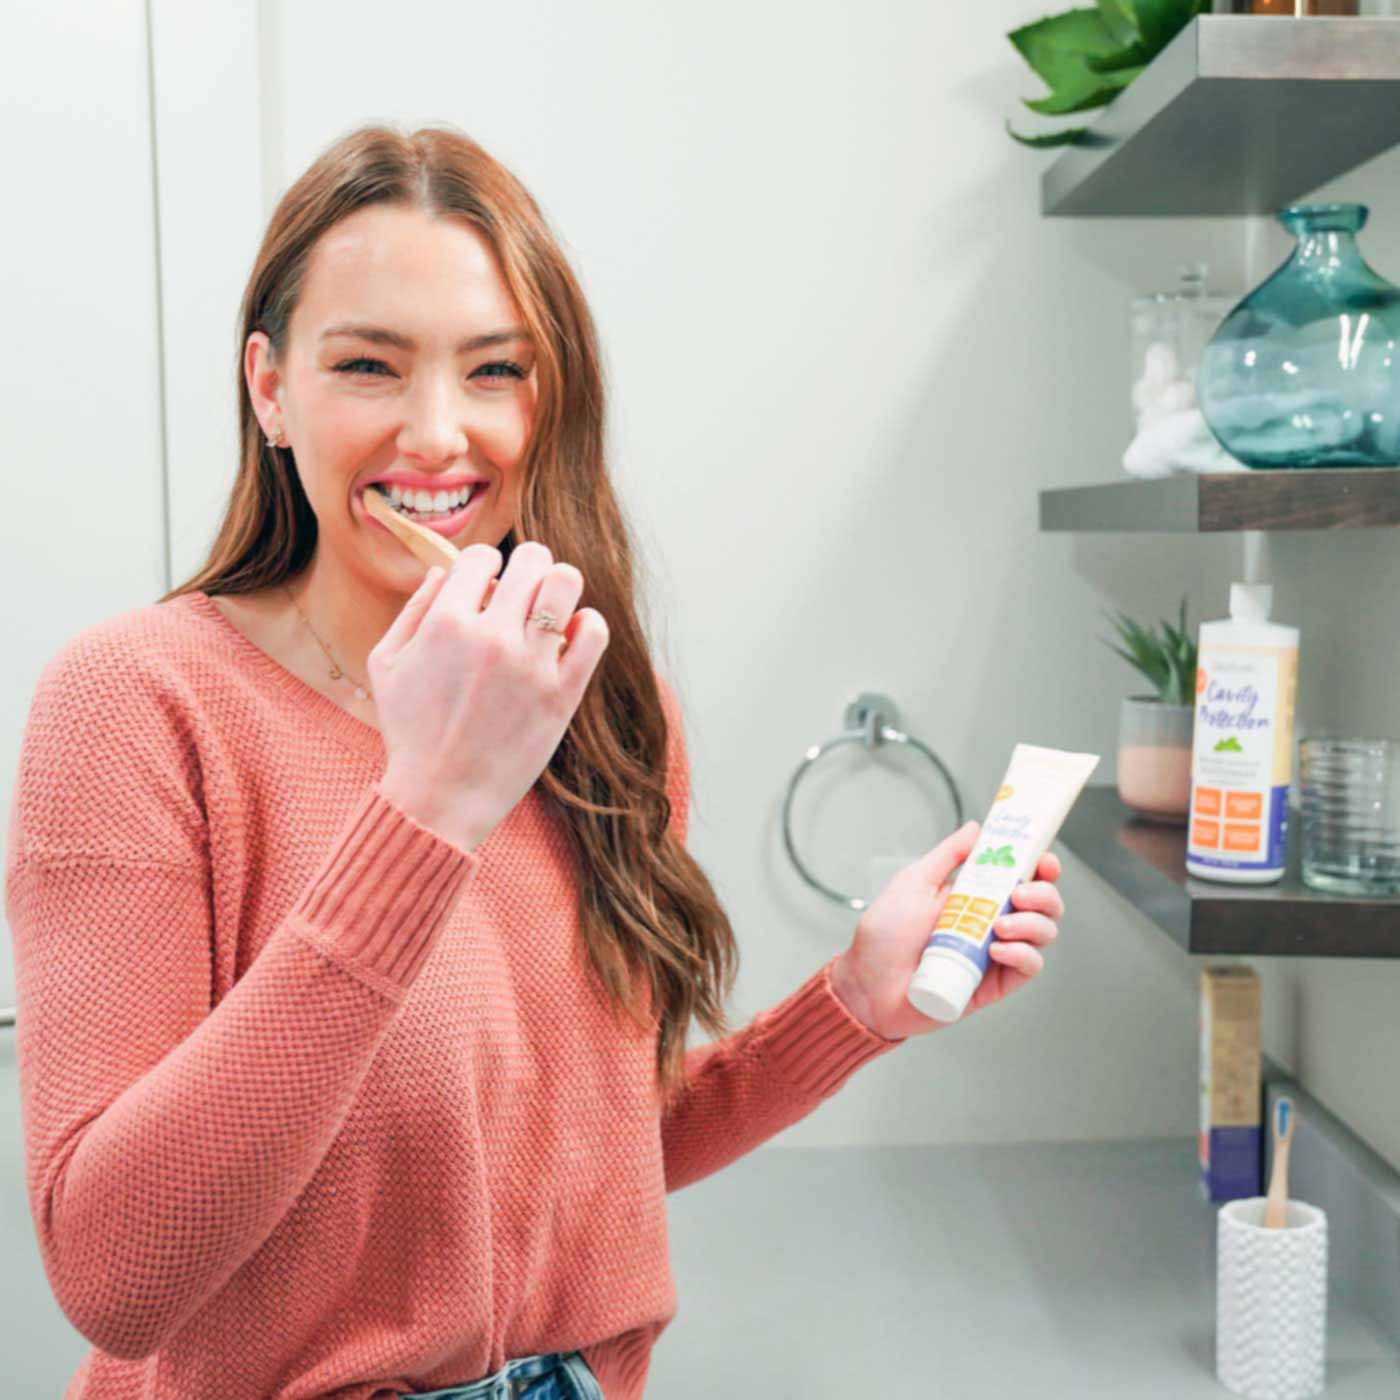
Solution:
(658, 942)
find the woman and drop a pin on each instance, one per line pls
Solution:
(331, 883)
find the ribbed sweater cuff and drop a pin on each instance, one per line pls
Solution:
(814, 1042)
(383, 891)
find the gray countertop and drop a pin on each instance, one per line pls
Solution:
(1045, 1269)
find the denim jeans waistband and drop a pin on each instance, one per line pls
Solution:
(507, 1383)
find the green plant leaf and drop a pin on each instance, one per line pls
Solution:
(1086, 57)
(1146, 654)
(1120, 20)
(1133, 56)
(1055, 47)
(1155, 676)
(1069, 136)
(1139, 652)
(1083, 91)
(1166, 655)
(1175, 693)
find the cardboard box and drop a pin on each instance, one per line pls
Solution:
(1231, 1140)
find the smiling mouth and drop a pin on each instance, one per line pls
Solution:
(428, 517)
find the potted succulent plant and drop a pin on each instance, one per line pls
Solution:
(1154, 731)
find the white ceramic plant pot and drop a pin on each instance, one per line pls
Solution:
(1154, 758)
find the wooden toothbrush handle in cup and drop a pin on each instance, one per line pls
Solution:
(1276, 1203)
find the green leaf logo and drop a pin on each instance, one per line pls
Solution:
(1230, 745)
(997, 855)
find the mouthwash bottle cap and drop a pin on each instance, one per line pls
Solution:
(1250, 602)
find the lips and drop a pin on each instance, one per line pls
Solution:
(447, 526)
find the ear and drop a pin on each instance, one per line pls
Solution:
(264, 380)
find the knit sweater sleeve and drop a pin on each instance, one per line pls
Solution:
(742, 1090)
(166, 1136)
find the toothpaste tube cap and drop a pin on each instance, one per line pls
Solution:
(943, 985)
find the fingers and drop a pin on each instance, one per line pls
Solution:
(468, 582)
(558, 595)
(1048, 867)
(588, 640)
(1032, 928)
(529, 563)
(404, 627)
(534, 583)
(1020, 956)
(935, 867)
(1040, 896)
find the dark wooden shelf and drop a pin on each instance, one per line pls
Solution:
(1145, 862)
(1239, 114)
(1324, 498)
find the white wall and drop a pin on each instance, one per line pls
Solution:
(83, 534)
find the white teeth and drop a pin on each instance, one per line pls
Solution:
(425, 502)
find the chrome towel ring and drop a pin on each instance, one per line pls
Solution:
(870, 720)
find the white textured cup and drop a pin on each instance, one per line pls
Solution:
(1271, 1301)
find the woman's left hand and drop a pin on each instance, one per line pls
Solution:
(872, 976)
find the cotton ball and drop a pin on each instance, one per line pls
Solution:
(1159, 363)
(1149, 393)
(1178, 395)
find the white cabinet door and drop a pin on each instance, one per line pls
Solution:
(133, 201)
(80, 438)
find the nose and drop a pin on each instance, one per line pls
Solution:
(434, 429)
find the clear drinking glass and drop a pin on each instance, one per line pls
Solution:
(1350, 790)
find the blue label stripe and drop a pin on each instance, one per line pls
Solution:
(975, 953)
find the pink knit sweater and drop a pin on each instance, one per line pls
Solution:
(316, 1103)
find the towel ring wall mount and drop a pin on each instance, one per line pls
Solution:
(871, 719)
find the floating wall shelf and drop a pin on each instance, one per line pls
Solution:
(1145, 863)
(1323, 499)
(1239, 114)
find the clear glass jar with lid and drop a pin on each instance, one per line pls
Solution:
(1169, 331)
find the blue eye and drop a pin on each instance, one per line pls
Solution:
(349, 367)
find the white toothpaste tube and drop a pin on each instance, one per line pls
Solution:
(1033, 800)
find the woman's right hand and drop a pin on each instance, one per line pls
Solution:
(472, 700)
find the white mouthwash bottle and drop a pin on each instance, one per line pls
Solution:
(1242, 742)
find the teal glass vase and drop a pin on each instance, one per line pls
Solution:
(1304, 371)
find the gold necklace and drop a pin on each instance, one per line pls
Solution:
(338, 672)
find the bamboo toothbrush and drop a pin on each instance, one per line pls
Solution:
(429, 546)
(1276, 1207)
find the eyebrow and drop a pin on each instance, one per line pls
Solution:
(381, 335)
